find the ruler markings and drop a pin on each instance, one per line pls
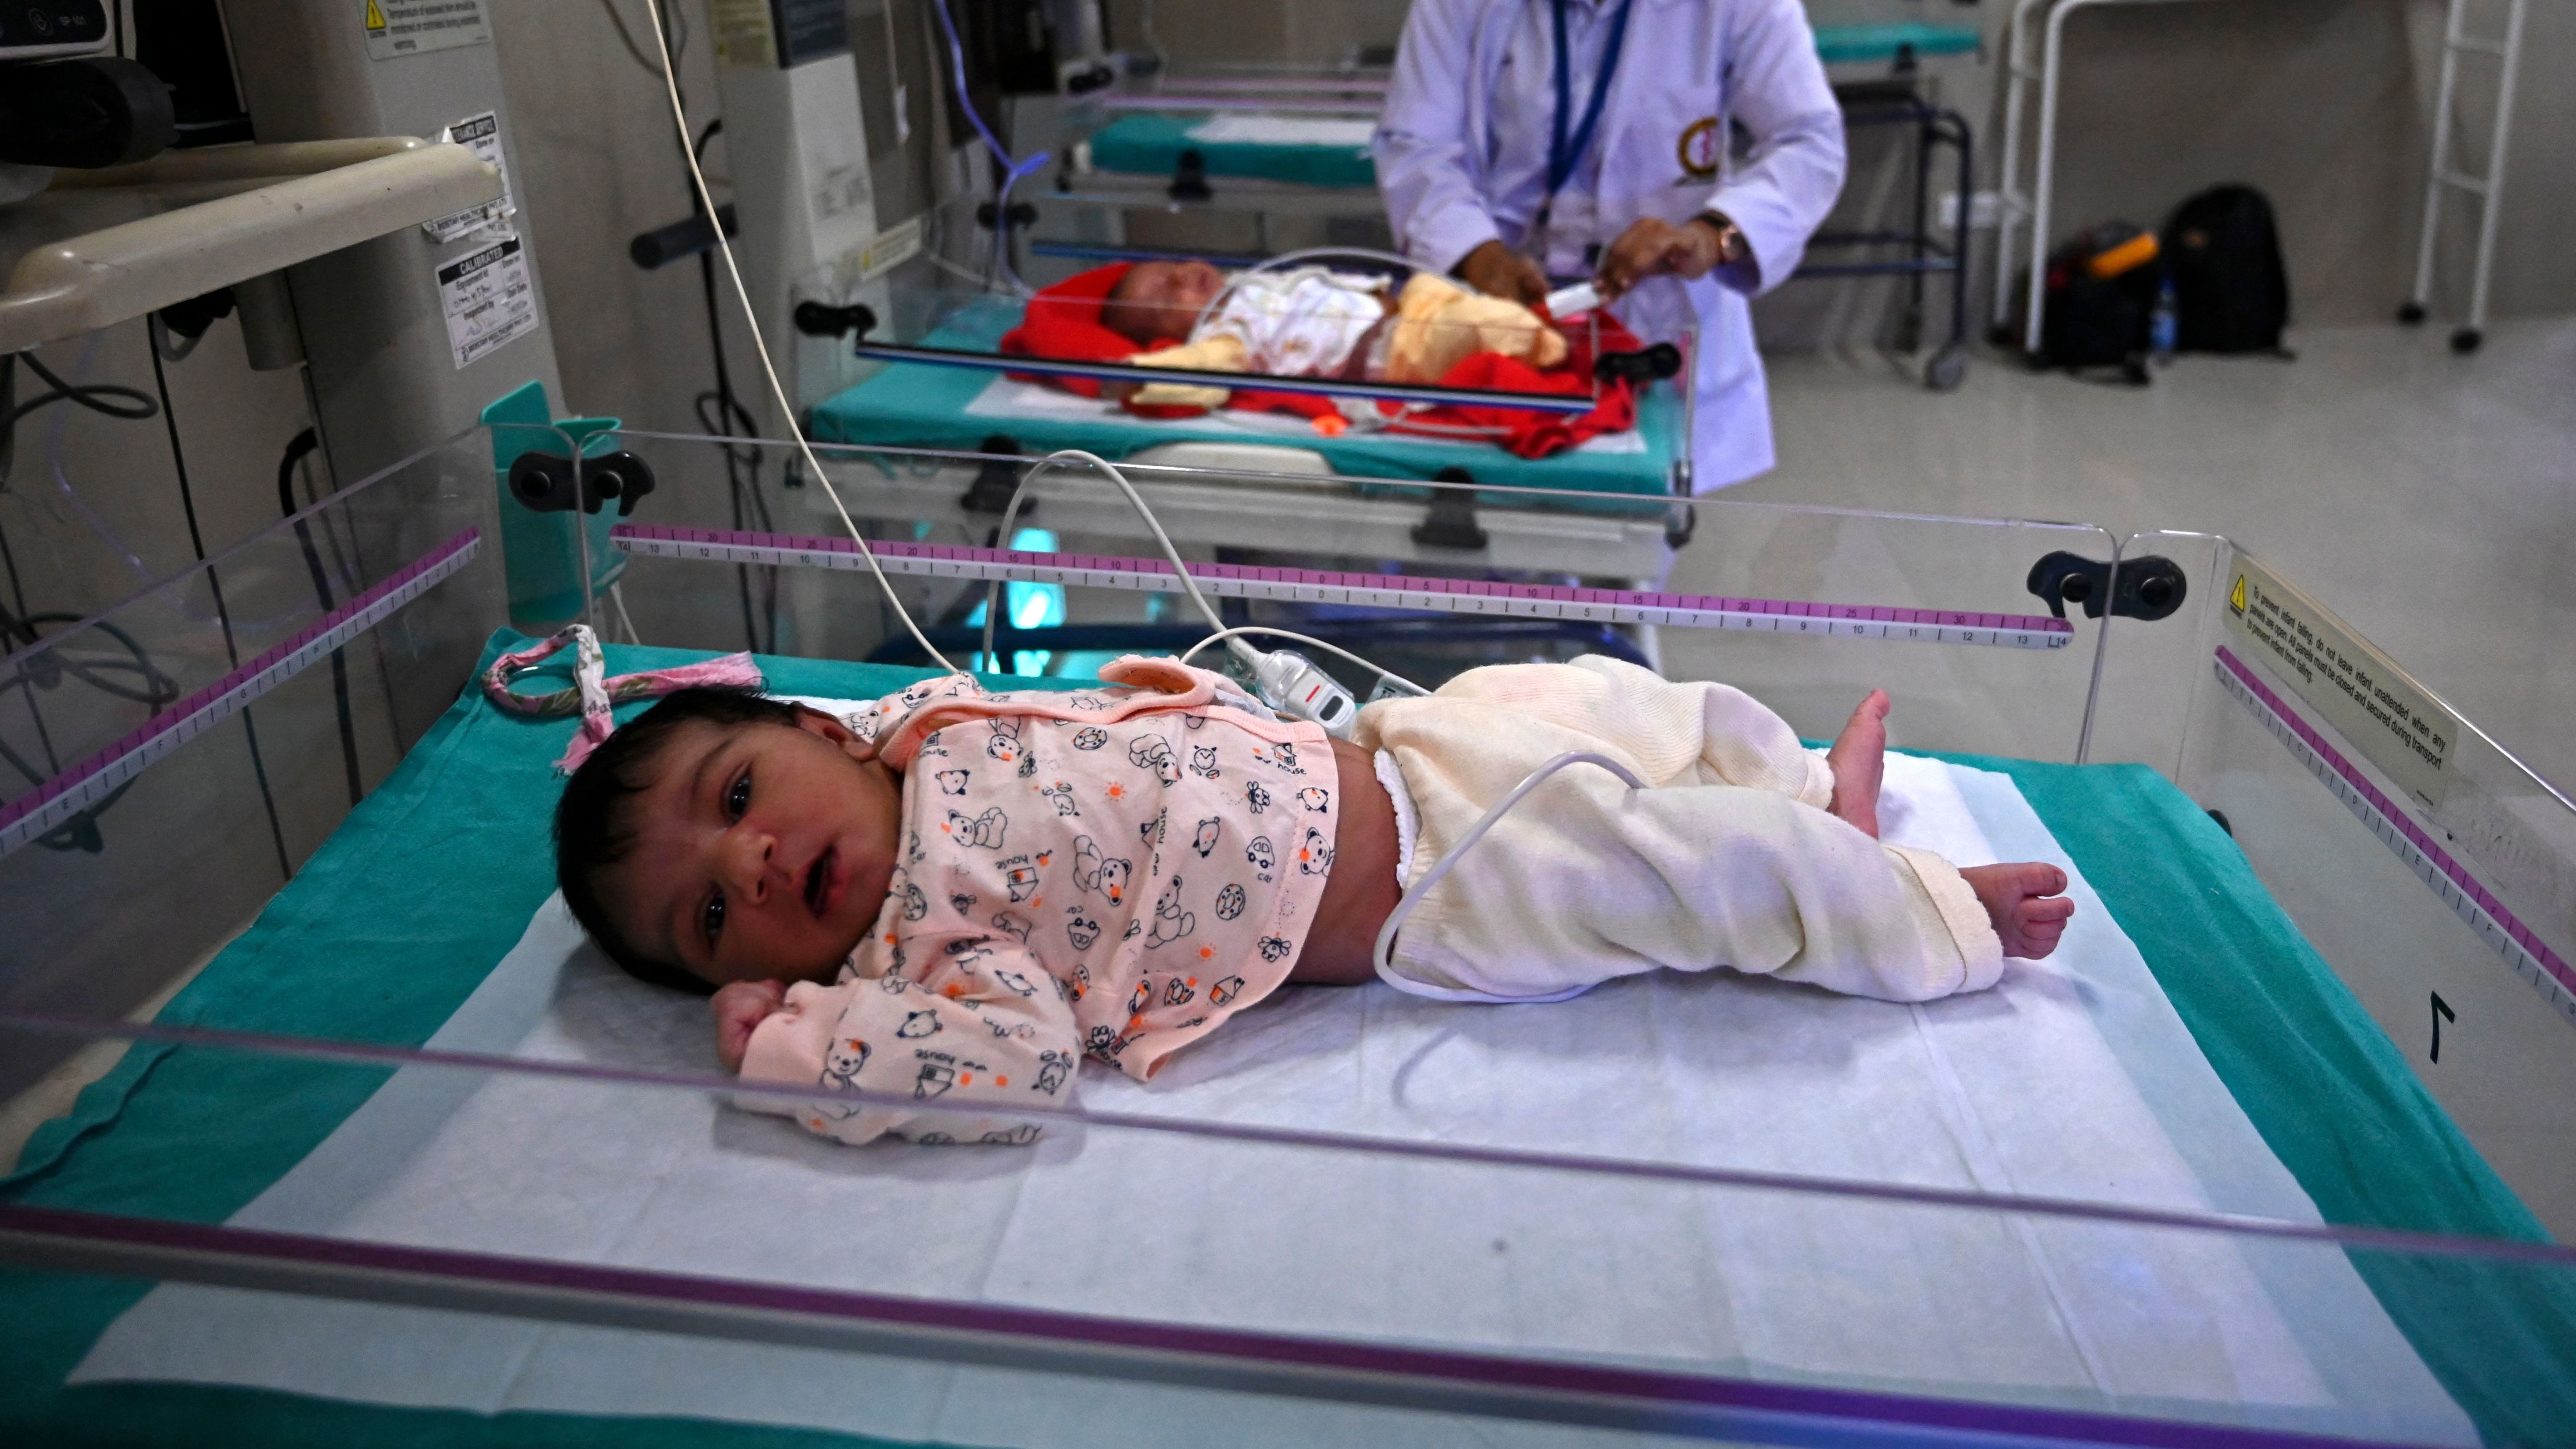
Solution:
(2531, 958)
(1458, 596)
(97, 775)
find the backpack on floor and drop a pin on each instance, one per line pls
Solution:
(2231, 292)
(2099, 291)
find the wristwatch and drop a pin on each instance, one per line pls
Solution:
(1733, 248)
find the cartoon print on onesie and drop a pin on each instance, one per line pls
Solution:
(1093, 871)
(1262, 855)
(1171, 923)
(1020, 878)
(1224, 991)
(1229, 902)
(1005, 743)
(1153, 752)
(1203, 760)
(1013, 926)
(1081, 930)
(951, 782)
(1060, 794)
(1090, 737)
(1280, 756)
(984, 830)
(1315, 855)
(1205, 839)
(1315, 797)
(1256, 799)
(1053, 1068)
(841, 1065)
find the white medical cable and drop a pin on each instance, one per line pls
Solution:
(1380, 670)
(760, 345)
(1382, 956)
(1135, 500)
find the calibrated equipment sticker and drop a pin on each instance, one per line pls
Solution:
(415, 27)
(488, 300)
(2358, 689)
(482, 136)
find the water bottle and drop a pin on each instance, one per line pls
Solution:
(2162, 324)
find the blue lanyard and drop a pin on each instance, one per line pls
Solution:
(1562, 151)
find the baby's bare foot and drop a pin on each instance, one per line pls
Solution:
(2023, 902)
(1859, 762)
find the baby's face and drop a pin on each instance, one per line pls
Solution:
(761, 851)
(1161, 301)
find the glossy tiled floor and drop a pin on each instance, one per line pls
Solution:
(2429, 499)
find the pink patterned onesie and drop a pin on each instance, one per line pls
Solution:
(1110, 873)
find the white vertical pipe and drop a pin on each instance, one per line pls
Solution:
(2423, 293)
(2491, 200)
(2009, 197)
(2050, 54)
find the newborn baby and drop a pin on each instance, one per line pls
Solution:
(1313, 322)
(956, 896)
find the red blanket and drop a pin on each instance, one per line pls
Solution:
(1063, 323)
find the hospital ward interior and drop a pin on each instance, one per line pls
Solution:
(782, 724)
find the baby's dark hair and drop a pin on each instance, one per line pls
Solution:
(591, 829)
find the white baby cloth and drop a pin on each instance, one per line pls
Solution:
(1301, 323)
(1726, 858)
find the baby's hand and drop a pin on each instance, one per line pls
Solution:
(740, 1007)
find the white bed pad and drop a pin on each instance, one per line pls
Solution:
(1266, 130)
(2073, 1077)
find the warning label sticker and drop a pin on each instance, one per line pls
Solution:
(488, 300)
(2357, 689)
(743, 33)
(889, 249)
(482, 136)
(414, 27)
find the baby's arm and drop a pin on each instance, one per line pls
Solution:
(986, 1026)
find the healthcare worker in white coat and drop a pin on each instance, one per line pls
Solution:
(1531, 142)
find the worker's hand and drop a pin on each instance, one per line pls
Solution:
(1656, 248)
(1497, 271)
(740, 1007)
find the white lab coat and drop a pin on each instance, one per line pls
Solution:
(1472, 102)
